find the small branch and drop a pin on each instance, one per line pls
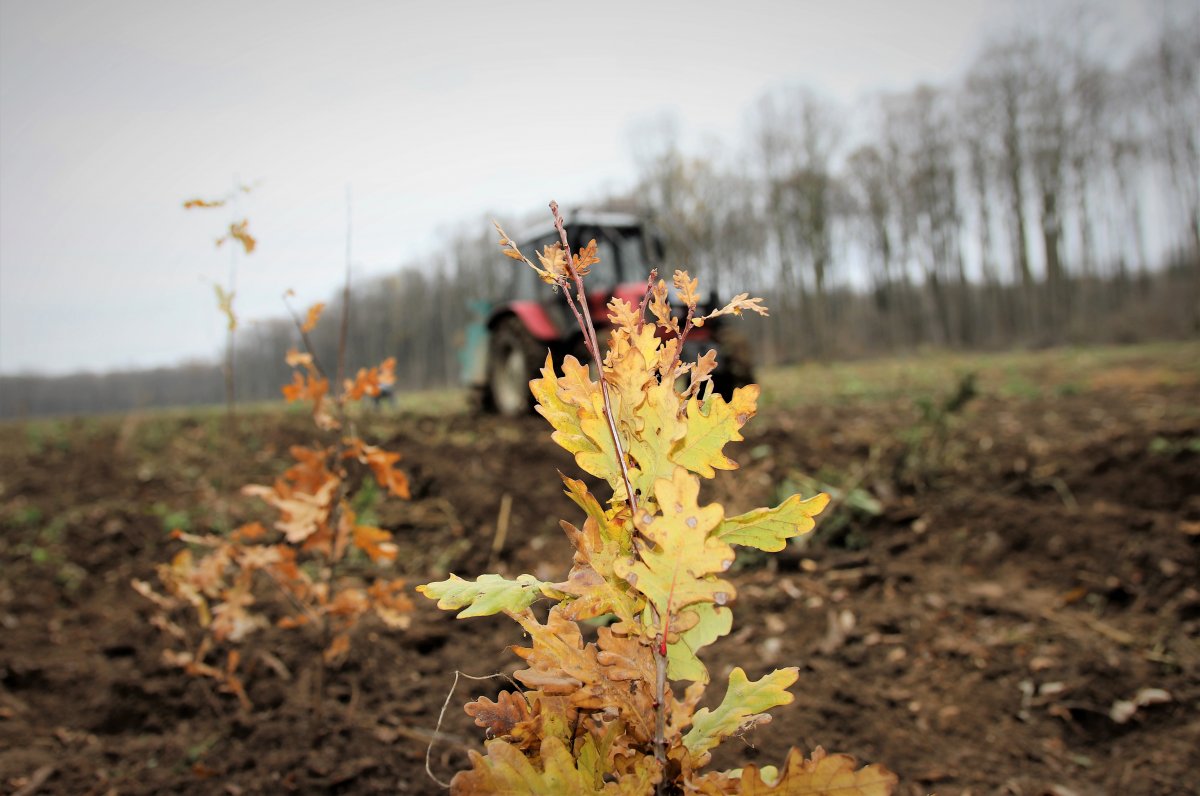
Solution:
(344, 333)
(296, 602)
(437, 730)
(501, 533)
(304, 338)
(646, 298)
(36, 780)
(687, 327)
(589, 332)
(660, 709)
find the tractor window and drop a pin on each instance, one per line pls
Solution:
(635, 266)
(529, 286)
(622, 254)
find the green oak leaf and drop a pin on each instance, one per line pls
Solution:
(745, 703)
(682, 663)
(487, 595)
(769, 529)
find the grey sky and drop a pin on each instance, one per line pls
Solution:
(112, 113)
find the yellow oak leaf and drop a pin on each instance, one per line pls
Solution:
(736, 306)
(712, 424)
(744, 705)
(621, 315)
(822, 775)
(687, 287)
(705, 364)
(769, 529)
(568, 411)
(506, 771)
(554, 263)
(660, 308)
(560, 664)
(628, 375)
(677, 562)
(659, 428)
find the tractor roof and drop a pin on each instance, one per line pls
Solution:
(584, 217)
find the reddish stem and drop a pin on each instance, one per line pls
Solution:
(593, 346)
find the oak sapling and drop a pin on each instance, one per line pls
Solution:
(237, 235)
(212, 602)
(605, 716)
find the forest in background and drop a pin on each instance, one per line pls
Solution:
(1043, 198)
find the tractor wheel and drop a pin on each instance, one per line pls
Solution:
(513, 359)
(735, 365)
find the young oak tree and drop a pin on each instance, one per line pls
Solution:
(605, 716)
(218, 580)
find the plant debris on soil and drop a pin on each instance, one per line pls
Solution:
(1001, 599)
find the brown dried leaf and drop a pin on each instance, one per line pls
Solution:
(239, 231)
(391, 603)
(562, 665)
(310, 320)
(382, 464)
(585, 258)
(375, 542)
(195, 204)
(499, 717)
(370, 381)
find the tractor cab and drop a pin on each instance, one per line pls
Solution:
(507, 345)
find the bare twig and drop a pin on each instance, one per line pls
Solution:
(342, 335)
(646, 298)
(687, 327)
(36, 780)
(501, 533)
(437, 730)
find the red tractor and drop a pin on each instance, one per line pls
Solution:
(506, 348)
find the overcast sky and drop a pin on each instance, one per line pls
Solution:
(112, 113)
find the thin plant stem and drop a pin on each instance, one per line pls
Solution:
(646, 298)
(344, 332)
(589, 332)
(304, 338)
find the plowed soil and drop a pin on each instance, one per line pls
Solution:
(989, 587)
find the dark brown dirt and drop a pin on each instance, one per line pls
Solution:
(1026, 567)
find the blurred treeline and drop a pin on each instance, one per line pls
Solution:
(1045, 197)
